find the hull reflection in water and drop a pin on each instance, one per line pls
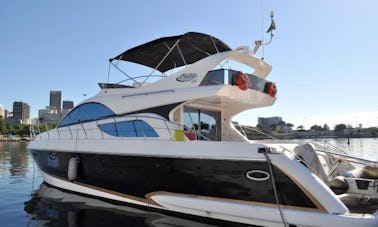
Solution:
(50, 206)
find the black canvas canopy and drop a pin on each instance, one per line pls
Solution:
(170, 52)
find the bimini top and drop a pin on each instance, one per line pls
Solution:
(169, 52)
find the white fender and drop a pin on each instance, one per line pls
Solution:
(72, 168)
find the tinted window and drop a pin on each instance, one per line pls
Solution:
(137, 128)
(126, 129)
(217, 77)
(214, 77)
(86, 112)
(256, 83)
(143, 129)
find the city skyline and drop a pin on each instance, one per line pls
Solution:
(53, 113)
(24, 100)
(324, 53)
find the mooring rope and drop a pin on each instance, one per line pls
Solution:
(274, 187)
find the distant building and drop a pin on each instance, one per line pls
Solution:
(56, 101)
(34, 121)
(47, 116)
(13, 121)
(54, 113)
(21, 112)
(2, 112)
(6, 113)
(68, 105)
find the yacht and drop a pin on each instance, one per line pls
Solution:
(169, 143)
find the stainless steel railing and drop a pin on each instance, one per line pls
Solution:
(91, 130)
(321, 149)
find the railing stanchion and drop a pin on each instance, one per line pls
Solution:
(48, 134)
(69, 129)
(102, 133)
(116, 128)
(57, 129)
(169, 130)
(85, 132)
(39, 132)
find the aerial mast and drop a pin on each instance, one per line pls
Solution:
(272, 27)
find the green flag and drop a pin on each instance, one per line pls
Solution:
(272, 27)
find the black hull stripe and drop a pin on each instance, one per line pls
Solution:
(148, 197)
(135, 177)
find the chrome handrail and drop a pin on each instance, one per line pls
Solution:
(70, 131)
(347, 157)
(327, 149)
(86, 136)
(32, 132)
(167, 125)
(47, 130)
(255, 130)
(57, 129)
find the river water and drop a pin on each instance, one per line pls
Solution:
(26, 201)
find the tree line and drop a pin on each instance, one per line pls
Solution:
(290, 126)
(20, 129)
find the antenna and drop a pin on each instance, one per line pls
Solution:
(271, 28)
(259, 43)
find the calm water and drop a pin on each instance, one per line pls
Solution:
(26, 201)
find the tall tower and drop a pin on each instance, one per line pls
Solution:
(21, 111)
(68, 105)
(56, 101)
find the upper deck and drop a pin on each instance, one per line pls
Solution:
(203, 80)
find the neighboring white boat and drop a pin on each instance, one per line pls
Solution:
(170, 144)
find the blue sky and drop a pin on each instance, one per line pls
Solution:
(324, 53)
